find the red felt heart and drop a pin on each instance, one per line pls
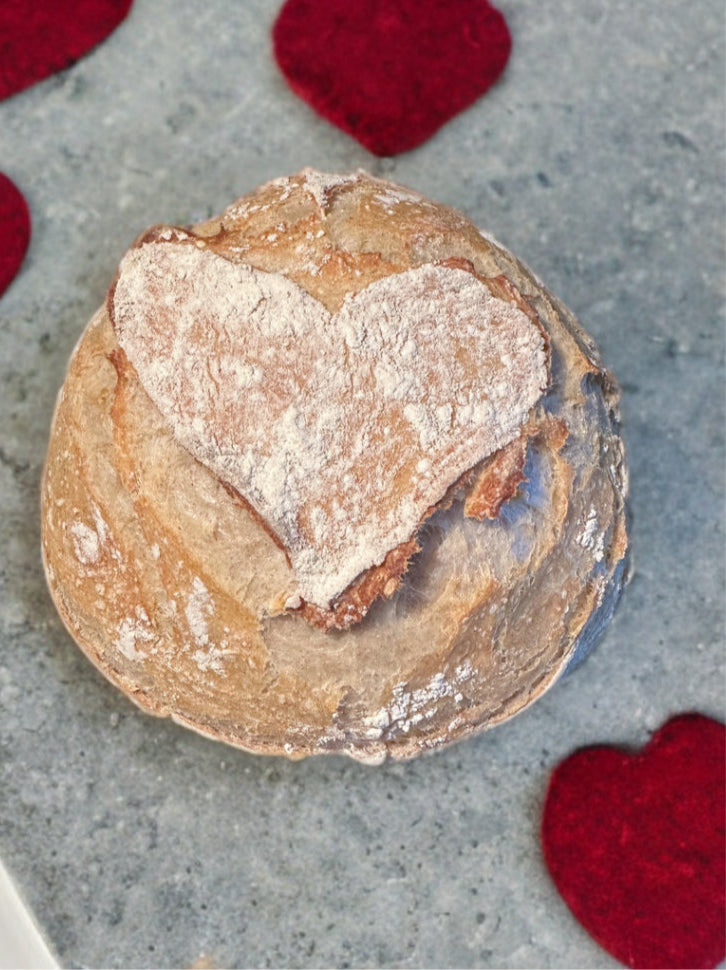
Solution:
(14, 231)
(38, 38)
(390, 73)
(635, 844)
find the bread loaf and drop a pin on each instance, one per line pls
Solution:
(333, 472)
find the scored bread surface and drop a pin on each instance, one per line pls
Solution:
(371, 412)
(180, 587)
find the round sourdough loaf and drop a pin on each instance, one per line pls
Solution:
(333, 472)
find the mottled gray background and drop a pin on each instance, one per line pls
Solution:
(599, 159)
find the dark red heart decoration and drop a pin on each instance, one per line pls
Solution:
(390, 72)
(635, 844)
(14, 231)
(38, 38)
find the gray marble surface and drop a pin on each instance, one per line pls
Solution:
(599, 159)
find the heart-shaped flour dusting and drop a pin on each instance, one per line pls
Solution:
(340, 429)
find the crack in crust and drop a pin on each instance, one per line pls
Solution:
(499, 479)
(484, 489)
(353, 604)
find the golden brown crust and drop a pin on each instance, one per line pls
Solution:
(498, 480)
(181, 597)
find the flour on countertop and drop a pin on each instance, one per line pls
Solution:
(340, 429)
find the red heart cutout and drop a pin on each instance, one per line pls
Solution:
(14, 231)
(635, 844)
(39, 38)
(390, 74)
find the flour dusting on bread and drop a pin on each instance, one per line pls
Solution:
(341, 430)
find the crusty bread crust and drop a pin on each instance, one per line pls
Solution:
(177, 591)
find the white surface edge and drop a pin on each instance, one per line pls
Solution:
(21, 945)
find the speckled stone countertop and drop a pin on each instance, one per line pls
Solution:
(598, 159)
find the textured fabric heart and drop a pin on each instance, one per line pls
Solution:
(635, 845)
(340, 429)
(39, 38)
(390, 74)
(14, 231)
